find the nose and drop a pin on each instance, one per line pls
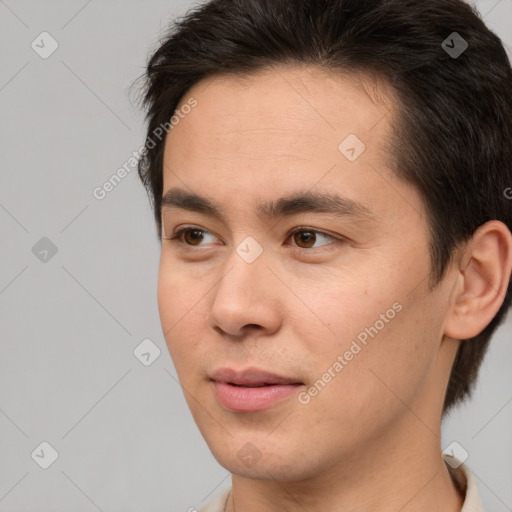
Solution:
(246, 299)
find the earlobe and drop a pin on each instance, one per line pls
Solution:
(484, 274)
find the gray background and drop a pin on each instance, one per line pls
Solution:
(69, 325)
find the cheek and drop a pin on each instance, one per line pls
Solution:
(179, 306)
(178, 293)
(344, 306)
(391, 368)
(381, 333)
(370, 386)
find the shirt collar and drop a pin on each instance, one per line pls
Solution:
(466, 483)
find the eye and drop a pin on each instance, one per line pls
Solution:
(308, 237)
(190, 235)
(303, 237)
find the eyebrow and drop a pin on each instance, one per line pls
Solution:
(298, 202)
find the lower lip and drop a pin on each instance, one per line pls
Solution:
(242, 399)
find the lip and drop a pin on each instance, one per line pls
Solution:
(252, 389)
(250, 377)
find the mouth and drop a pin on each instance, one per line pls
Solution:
(251, 390)
(253, 385)
(251, 377)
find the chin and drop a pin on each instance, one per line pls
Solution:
(261, 459)
(263, 470)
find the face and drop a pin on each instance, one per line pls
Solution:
(331, 295)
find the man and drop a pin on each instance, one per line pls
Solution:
(331, 199)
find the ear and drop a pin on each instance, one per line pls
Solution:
(481, 284)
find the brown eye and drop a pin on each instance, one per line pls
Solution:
(191, 236)
(308, 238)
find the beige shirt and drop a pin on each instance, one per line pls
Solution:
(462, 476)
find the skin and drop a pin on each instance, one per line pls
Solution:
(370, 439)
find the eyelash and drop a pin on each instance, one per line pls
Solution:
(176, 237)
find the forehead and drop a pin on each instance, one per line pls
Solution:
(283, 111)
(282, 129)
